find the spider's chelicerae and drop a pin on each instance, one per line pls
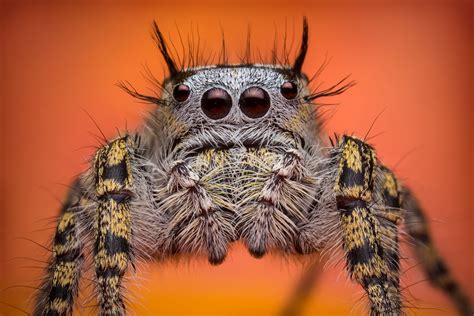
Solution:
(235, 152)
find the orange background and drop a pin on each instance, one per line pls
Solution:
(412, 60)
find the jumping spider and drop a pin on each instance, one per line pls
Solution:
(235, 153)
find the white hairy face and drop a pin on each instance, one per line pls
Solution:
(229, 83)
(242, 105)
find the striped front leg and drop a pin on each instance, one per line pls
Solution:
(362, 234)
(112, 249)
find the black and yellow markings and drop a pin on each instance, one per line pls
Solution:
(112, 249)
(66, 260)
(211, 158)
(362, 236)
(434, 266)
(355, 173)
(392, 196)
(113, 169)
(391, 191)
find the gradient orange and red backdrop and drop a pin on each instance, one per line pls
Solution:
(412, 60)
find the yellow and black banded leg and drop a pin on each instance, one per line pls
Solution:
(112, 248)
(390, 217)
(427, 254)
(362, 233)
(57, 294)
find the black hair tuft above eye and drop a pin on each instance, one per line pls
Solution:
(181, 92)
(289, 90)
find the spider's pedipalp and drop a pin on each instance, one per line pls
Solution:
(200, 216)
(274, 193)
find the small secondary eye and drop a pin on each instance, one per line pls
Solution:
(289, 90)
(254, 102)
(216, 103)
(181, 92)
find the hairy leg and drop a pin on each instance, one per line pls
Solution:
(58, 291)
(113, 229)
(389, 215)
(427, 254)
(367, 257)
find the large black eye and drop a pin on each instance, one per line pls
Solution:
(254, 102)
(181, 92)
(216, 103)
(289, 90)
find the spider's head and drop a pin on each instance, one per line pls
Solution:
(238, 97)
(243, 104)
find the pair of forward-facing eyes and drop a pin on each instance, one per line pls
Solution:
(254, 102)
